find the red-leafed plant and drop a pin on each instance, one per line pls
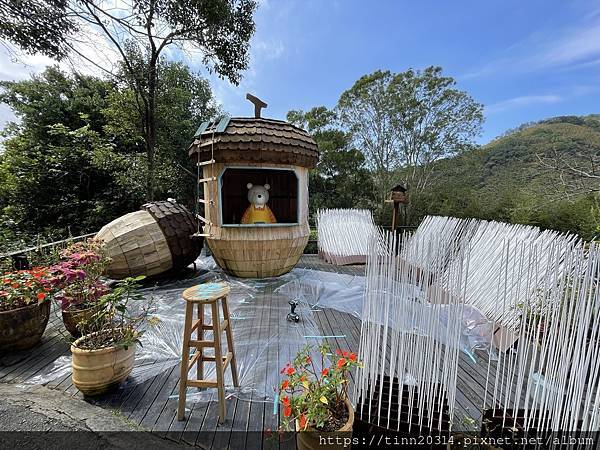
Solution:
(78, 275)
(24, 288)
(314, 392)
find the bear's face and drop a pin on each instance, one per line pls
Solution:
(258, 195)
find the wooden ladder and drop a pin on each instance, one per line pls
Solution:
(205, 201)
(216, 126)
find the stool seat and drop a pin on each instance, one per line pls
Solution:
(208, 292)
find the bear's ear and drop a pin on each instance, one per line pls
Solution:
(249, 185)
(267, 186)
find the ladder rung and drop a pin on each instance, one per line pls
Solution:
(206, 180)
(201, 344)
(206, 202)
(206, 163)
(201, 235)
(202, 383)
(206, 221)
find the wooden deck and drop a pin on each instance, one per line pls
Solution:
(152, 404)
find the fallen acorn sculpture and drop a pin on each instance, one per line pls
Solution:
(152, 241)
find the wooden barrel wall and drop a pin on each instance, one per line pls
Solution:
(257, 251)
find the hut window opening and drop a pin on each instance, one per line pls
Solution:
(280, 185)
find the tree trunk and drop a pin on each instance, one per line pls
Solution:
(151, 129)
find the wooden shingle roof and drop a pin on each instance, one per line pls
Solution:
(255, 140)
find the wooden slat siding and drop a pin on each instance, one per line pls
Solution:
(13, 362)
(40, 357)
(151, 417)
(270, 420)
(138, 411)
(169, 412)
(150, 406)
(146, 417)
(256, 409)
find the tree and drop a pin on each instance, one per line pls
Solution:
(407, 121)
(183, 101)
(140, 31)
(341, 178)
(75, 160)
(37, 26)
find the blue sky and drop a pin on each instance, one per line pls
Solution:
(524, 60)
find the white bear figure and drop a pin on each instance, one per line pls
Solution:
(258, 211)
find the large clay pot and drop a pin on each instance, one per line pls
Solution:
(97, 371)
(310, 438)
(23, 328)
(72, 317)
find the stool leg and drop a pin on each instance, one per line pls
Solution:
(229, 333)
(216, 321)
(200, 337)
(185, 360)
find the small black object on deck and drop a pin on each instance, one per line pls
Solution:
(293, 315)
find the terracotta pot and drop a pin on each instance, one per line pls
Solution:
(72, 317)
(23, 328)
(311, 438)
(97, 371)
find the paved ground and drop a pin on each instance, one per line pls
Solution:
(47, 418)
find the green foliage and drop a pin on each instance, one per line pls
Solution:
(408, 120)
(77, 158)
(341, 178)
(507, 180)
(37, 26)
(314, 394)
(120, 316)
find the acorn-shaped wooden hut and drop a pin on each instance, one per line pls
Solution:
(253, 177)
(154, 240)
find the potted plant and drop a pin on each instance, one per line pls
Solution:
(78, 276)
(314, 396)
(24, 308)
(104, 357)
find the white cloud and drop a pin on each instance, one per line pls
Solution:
(521, 102)
(568, 48)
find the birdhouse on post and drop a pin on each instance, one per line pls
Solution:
(398, 196)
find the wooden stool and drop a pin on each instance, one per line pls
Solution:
(206, 294)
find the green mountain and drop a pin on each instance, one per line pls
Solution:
(528, 175)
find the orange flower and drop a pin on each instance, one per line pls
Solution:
(352, 357)
(285, 400)
(41, 296)
(290, 370)
(308, 360)
(338, 352)
(285, 384)
(14, 285)
(287, 411)
(324, 372)
(303, 421)
(341, 362)
(303, 378)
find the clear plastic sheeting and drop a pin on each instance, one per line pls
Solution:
(346, 292)
(326, 290)
(264, 339)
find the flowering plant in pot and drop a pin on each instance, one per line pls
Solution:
(79, 277)
(104, 356)
(314, 395)
(24, 308)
